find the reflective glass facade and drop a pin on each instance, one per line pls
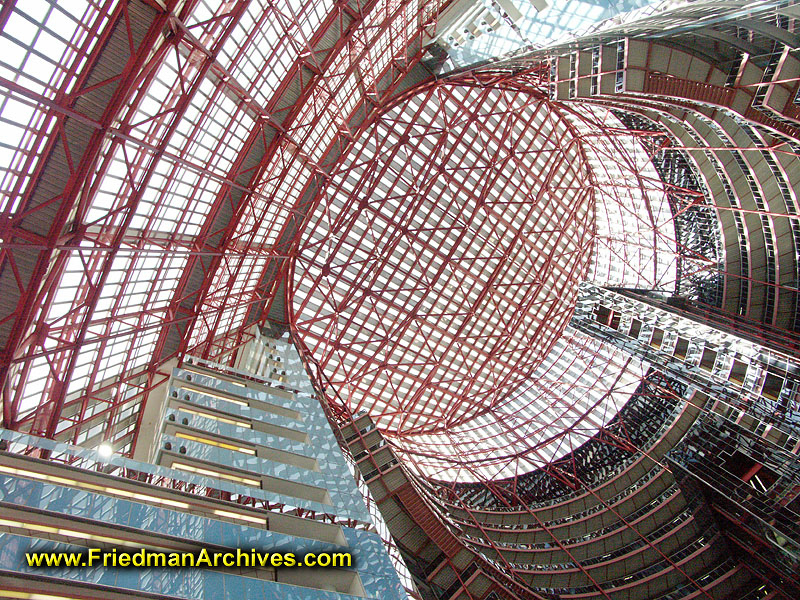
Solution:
(231, 445)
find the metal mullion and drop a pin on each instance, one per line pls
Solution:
(133, 332)
(114, 405)
(398, 307)
(26, 304)
(494, 229)
(229, 284)
(138, 316)
(407, 275)
(266, 17)
(229, 82)
(245, 149)
(117, 133)
(509, 225)
(116, 316)
(378, 177)
(170, 177)
(61, 97)
(227, 236)
(55, 357)
(650, 224)
(361, 326)
(415, 397)
(407, 349)
(370, 359)
(329, 22)
(462, 186)
(641, 105)
(514, 371)
(386, 164)
(299, 103)
(60, 389)
(587, 413)
(243, 254)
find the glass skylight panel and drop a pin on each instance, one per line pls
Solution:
(346, 94)
(204, 10)
(446, 312)
(176, 201)
(316, 126)
(120, 181)
(629, 247)
(308, 13)
(126, 291)
(229, 297)
(23, 126)
(39, 43)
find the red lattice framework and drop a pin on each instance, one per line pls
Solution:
(443, 261)
(174, 148)
(440, 267)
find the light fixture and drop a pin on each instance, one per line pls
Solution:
(105, 450)
(189, 388)
(211, 442)
(215, 474)
(215, 417)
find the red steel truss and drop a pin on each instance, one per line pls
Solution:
(437, 273)
(165, 202)
(463, 216)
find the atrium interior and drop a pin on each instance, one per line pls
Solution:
(537, 261)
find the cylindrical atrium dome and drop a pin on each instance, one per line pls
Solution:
(439, 271)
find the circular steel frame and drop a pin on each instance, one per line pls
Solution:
(441, 263)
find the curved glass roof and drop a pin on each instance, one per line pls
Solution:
(437, 275)
(440, 266)
(435, 278)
